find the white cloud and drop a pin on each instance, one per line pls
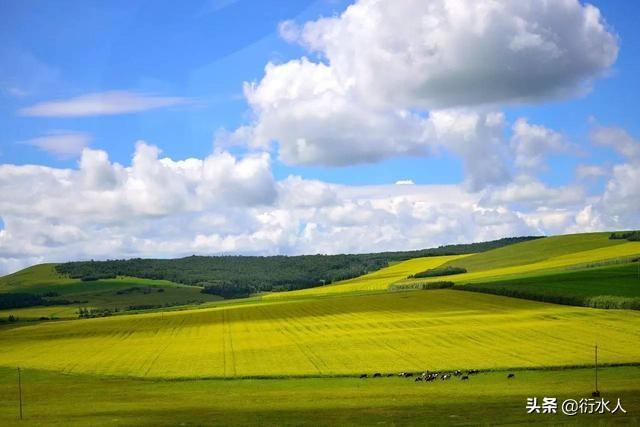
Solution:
(386, 69)
(531, 143)
(449, 53)
(590, 171)
(619, 140)
(102, 104)
(304, 108)
(478, 139)
(528, 191)
(61, 143)
(160, 207)
(405, 182)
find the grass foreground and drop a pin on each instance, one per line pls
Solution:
(486, 399)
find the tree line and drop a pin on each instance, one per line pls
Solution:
(632, 236)
(236, 276)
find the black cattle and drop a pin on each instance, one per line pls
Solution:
(363, 376)
(464, 377)
(377, 375)
(511, 376)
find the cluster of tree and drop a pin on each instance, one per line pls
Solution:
(88, 313)
(19, 300)
(420, 285)
(633, 236)
(143, 290)
(228, 289)
(255, 273)
(600, 301)
(94, 276)
(514, 292)
(441, 271)
(167, 304)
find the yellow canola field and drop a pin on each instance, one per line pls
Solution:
(390, 332)
(376, 281)
(577, 259)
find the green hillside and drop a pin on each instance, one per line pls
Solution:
(487, 399)
(116, 295)
(539, 250)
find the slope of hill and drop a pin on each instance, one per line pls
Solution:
(542, 249)
(376, 281)
(389, 332)
(254, 273)
(117, 294)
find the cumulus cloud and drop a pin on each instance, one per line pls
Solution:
(531, 143)
(222, 204)
(527, 190)
(384, 69)
(303, 106)
(449, 53)
(102, 104)
(618, 139)
(590, 171)
(61, 143)
(478, 139)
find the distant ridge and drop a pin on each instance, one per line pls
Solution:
(248, 274)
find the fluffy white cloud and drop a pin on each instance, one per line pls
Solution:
(160, 207)
(384, 67)
(303, 107)
(590, 171)
(619, 140)
(61, 143)
(448, 53)
(102, 104)
(478, 139)
(528, 191)
(531, 143)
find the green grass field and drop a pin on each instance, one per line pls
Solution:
(619, 280)
(552, 264)
(98, 294)
(486, 399)
(388, 332)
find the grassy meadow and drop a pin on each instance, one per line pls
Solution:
(114, 294)
(486, 399)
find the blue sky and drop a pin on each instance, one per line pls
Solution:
(205, 50)
(186, 65)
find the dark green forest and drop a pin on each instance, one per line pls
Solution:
(238, 276)
(632, 236)
(441, 271)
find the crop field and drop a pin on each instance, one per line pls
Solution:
(620, 280)
(558, 263)
(542, 249)
(376, 281)
(487, 399)
(389, 332)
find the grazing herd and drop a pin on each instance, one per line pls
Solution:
(433, 376)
